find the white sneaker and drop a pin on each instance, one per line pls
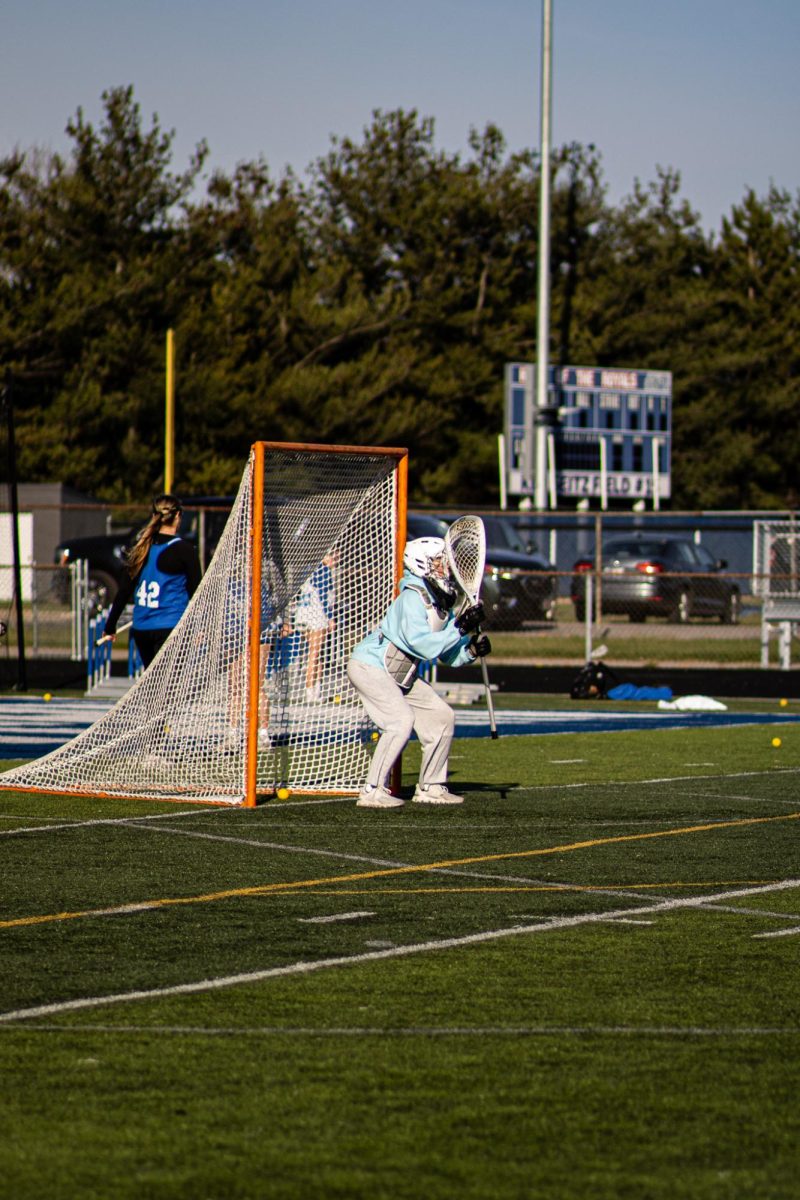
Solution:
(378, 797)
(435, 793)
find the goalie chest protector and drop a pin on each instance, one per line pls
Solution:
(401, 666)
(437, 617)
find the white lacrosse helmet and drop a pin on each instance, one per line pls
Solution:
(421, 553)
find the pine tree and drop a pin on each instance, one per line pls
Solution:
(92, 253)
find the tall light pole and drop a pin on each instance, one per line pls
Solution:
(541, 398)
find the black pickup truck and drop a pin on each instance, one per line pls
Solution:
(203, 521)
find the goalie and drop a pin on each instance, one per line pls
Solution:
(418, 627)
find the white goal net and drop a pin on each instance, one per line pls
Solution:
(250, 692)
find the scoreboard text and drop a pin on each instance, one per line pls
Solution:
(610, 428)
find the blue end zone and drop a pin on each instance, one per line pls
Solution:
(31, 727)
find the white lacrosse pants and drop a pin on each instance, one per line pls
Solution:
(397, 714)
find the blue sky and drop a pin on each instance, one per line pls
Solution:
(709, 87)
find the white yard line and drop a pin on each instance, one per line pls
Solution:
(306, 968)
(427, 1031)
(349, 916)
(706, 795)
(94, 821)
(615, 783)
(493, 877)
(208, 811)
(214, 811)
(632, 893)
(260, 844)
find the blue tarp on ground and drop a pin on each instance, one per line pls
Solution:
(630, 691)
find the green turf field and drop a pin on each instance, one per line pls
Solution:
(583, 983)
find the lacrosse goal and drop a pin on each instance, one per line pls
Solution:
(250, 694)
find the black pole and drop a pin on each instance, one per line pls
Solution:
(8, 404)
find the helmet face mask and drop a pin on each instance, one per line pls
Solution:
(426, 558)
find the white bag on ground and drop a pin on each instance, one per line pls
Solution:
(693, 704)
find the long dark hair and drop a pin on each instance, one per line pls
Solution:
(165, 509)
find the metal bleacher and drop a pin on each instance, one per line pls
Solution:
(776, 551)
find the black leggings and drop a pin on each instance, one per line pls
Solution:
(149, 642)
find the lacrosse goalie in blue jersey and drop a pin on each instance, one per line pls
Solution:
(419, 627)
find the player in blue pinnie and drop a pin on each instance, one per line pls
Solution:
(419, 626)
(162, 575)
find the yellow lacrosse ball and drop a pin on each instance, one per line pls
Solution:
(375, 735)
(283, 793)
(784, 703)
(776, 742)
(47, 696)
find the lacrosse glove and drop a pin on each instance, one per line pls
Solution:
(480, 646)
(471, 618)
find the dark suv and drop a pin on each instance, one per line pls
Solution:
(518, 584)
(104, 554)
(659, 577)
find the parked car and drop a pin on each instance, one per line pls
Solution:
(518, 584)
(104, 554)
(659, 577)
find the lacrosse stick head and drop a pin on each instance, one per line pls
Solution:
(465, 546)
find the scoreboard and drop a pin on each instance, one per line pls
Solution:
(609, 431)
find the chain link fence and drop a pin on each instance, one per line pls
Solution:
(54, 607)
(656, 588)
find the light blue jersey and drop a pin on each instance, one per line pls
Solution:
(414, 625)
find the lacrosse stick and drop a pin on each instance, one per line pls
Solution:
(599, 651)
(108, 636)
(465, 544)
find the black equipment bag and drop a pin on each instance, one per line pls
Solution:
(592, 682)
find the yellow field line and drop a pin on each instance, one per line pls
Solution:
(457, 889)
(302, 884)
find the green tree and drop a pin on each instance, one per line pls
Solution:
(429, 265)
(740, 386)
(376, 304)
(240, 332)
(93, 256)
(638, 305)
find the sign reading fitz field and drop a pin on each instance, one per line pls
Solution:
(609, 431)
